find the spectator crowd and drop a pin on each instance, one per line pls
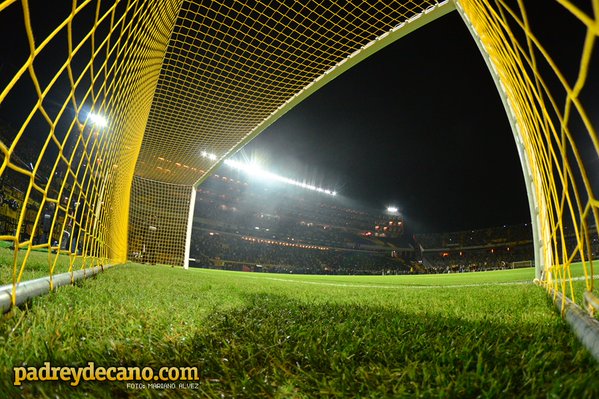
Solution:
(240, 225)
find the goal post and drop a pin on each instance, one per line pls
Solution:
(192, 202)
(522, 264)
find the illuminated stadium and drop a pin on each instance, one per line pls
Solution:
(245, 223)
(426, 225)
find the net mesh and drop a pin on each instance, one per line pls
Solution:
(69, 175)
(174, 79)
(230, 65)
(155, 233)
(551, 89)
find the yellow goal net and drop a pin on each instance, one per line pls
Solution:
(550, 95)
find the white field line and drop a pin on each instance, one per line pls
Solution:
(399, 286)
(394, 286)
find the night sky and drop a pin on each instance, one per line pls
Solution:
(419, 125)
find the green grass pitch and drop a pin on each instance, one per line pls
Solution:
(467, 335)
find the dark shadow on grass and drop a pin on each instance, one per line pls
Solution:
(279, 347)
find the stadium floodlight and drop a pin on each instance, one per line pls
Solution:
(97, 120)
(208, 155)
(256, 171)
(392, 209)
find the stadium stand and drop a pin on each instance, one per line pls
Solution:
(282, 228)
(476, 259)
(492, 248)
(234, 252)
(242, 224)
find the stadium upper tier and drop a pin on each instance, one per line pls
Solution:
(280, 212)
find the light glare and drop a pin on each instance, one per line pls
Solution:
(208, 155)
(97, 120)
(257, 171)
